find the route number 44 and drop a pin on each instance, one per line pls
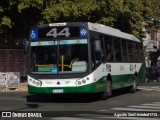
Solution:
(53, 32)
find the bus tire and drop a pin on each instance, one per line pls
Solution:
(133, 88)
(108, 91)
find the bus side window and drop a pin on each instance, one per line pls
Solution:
(130, 51)
(140, 53)
(109, 49)
(103, 52)
(93, 52)
(124, 50)
(137, 53)
(99, 53)
(117, 49)
(109, 56)
(134, 51)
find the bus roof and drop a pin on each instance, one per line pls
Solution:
(111, 31)
(96, 27)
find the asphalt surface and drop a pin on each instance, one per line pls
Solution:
(142, 105)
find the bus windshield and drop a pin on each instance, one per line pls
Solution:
(59, 56)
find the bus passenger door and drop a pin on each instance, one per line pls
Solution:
(96, 52)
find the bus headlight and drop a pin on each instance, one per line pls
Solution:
(38, 84)
(81, 82)
(34, 82)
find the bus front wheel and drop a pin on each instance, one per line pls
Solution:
(108, 91)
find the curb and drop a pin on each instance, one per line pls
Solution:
(22, 87)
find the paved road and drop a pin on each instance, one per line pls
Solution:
(142, 105)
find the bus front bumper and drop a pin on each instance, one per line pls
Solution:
(91, 88)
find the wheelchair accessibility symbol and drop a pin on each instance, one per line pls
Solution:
(34, 34)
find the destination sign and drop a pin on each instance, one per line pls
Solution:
(58, 32)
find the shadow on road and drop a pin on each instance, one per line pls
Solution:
(71, 98)
(27, 106)
(122, 91)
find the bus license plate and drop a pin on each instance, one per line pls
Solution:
(57, 90)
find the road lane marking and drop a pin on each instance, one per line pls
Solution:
(148, 107)
(151, 104)
(132, 118)
(149, 88)
(156, 102)
(142, 108)
(155, 87)
(134, 109)
(70, 118)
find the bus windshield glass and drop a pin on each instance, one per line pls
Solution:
(59, 56)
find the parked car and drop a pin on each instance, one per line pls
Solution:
(153, 73)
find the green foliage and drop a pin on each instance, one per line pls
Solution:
(26, 4)
(151, 13)
(1, 10)
(17, 16)
(133, 10)
(6, 22)
(70, 11)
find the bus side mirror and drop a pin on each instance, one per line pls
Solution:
(26, 47)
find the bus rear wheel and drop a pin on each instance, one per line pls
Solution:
(108, 91)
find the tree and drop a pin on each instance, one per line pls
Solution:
(17, 16)
(71, 10)
(130, 18)
(151, 13)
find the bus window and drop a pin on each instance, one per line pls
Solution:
(130, 51)
(65, 51)
(117, 49)
(124, 51)
(95, 51)
(102, 48)
(140, 53)
(46, 58)
(74, 52)
(99, 52)
(109, 49)
(134, 50)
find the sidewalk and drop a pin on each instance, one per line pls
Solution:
(22, 87)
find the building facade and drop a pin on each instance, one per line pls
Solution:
(151, 44)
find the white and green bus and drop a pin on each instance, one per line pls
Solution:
(83, 57)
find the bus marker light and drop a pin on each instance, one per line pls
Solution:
(83, 81)
(38, 84)
(30, 80)
(34, 82)
(79, 82)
